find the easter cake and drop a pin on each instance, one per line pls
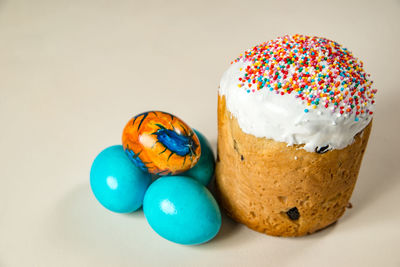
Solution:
(294, 118)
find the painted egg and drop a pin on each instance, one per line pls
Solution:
(182, 210)
(204, 169)
(117, 183)
(161, 143)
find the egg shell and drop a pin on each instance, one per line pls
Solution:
(204, 169)
(182, 210)
(117, 183)
(161, 143)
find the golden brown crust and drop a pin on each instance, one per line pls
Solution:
(259, 180)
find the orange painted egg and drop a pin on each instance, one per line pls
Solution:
(161, 143)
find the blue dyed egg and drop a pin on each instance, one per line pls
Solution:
(203, 171)
(182, 210)
(116, 182)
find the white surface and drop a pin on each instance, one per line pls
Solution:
(72, 73)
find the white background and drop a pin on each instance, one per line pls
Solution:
(72, 73)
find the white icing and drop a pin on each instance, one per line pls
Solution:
(263, 113)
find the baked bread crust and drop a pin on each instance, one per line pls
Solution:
(282, 190)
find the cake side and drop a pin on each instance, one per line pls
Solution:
(279, 189)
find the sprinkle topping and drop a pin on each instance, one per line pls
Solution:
(317, 70)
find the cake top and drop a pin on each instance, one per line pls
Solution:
(316, 70)
(300, 90)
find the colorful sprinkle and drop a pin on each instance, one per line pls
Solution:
(317, 70)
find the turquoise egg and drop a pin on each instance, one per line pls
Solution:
(116, 182)
(203, 171)
(182, 210)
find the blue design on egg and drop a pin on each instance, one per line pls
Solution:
(116, 182)
(179, 144)
(182, 210)
(203, 171)
(136, 159)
